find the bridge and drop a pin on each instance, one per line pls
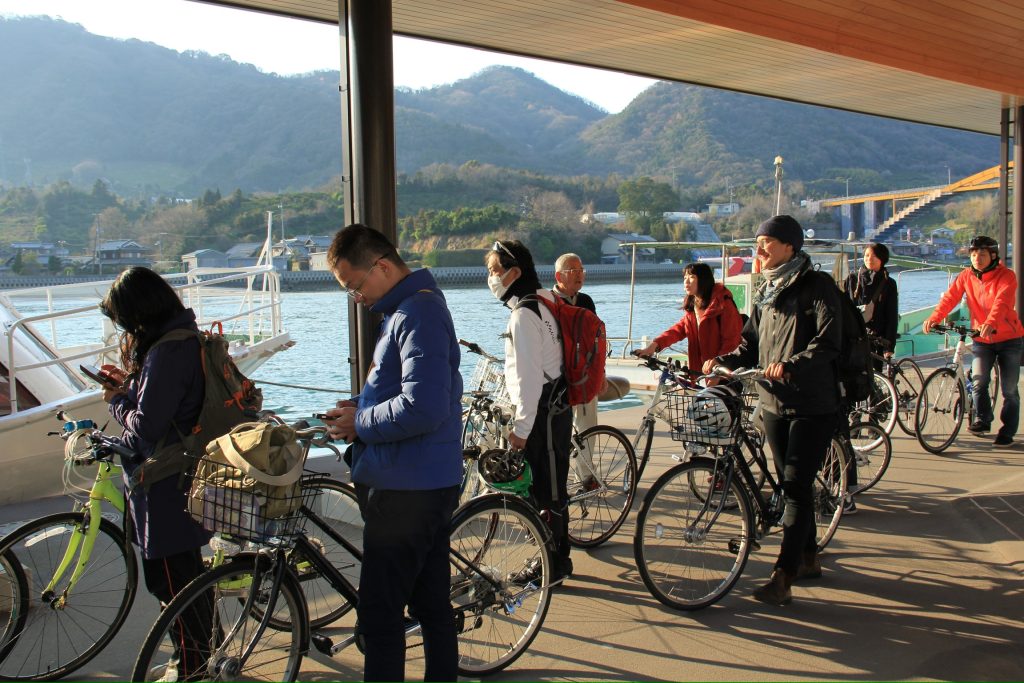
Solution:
(879, 216)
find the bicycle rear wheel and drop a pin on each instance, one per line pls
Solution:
(908, 382)
(13, 601)
(602, 483)
(830, 492)
(216, 628)
(501, 574)
(63, 629)
(872, 451)
(693, 535)
(880, 407)
(940, 411)
(332, 512)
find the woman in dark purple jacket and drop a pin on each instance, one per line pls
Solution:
(160, 396)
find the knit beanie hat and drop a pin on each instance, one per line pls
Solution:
(784, 229)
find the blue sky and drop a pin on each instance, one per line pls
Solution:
(289, 46)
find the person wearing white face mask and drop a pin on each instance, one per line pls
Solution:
(542, 424)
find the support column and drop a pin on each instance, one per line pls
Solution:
(1004, 187)
(368, 139)
(1018, 203)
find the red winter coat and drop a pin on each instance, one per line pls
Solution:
(990, 299)
(716, 334)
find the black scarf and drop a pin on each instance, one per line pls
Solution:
(869, 285)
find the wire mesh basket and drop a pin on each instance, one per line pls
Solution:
(489, 377)
(223, 500)
(707, 417)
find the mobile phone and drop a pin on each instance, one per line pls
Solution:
(323, 416)
(97, 375)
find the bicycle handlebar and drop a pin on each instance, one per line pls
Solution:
(473, 347)
(962, 330)
(739, 373)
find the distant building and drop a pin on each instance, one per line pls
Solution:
(43, 250)
(116, 255)
(246, 254)
(724, 209)
(204, 258)
(612, 250)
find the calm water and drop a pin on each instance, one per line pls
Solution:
(318, 322)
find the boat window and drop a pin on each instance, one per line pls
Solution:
(26, 399)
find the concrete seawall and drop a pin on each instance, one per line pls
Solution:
(466, 276)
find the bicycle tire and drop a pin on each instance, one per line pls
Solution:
(220, 596)
(908, 381)
(335, 510)
(683, 565)
(53, 642)
(880, 406)
(500, 536)
(940, 411)
(642, 441)
(595, 516)
(872, 452)
(13, 600)
(829, 490)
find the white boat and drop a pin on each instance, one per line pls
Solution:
(49, 331)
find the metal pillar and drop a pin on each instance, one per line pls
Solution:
(368, 138)
(1018, 203)
(1004, 187)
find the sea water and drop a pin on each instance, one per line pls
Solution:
(318, 322)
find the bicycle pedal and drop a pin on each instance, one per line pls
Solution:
(322, 643)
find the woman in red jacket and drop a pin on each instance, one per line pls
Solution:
(711, 321)
(991, 290)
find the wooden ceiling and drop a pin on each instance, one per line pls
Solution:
(954, 63)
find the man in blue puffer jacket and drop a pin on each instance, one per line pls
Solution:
(406, 430)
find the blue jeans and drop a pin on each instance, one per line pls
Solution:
(1007, 354)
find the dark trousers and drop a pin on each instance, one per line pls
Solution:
(798, 446)
(556, 420)
(1007, 354)
(405, 563)
(165, 577)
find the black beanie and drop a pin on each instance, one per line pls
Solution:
(784, 229)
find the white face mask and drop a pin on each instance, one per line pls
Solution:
(498, 288)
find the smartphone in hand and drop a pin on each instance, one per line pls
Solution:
(323, 416)
(97, 375)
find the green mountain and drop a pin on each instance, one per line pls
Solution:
(149, 120)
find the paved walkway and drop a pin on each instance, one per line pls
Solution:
(925, 583)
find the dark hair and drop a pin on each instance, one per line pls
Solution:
(141, 303)
(705, 283)
(514, 254)
(361, 246)
(880, 251)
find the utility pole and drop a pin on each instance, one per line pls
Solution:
(778, 185)
(281, 207)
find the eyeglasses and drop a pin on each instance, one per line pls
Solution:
(354, 291)
(499, 247)
(573, 271)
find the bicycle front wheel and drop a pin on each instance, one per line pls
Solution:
(872, 451)
(216, 628)
(642, 445)
(332, 513)
(65, 627)
(940, 411)
(693, 535)
(908, 381)
(602, 483)
(830, 492)
(501, 575)
(879, 407)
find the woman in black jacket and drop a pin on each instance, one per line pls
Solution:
(875, 293)
(159, 396)
(794, 334)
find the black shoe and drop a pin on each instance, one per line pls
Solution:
(563, 570)
(1002, 441)
(979, 427)
(531, 573)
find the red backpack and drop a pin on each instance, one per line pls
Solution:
(584, 348)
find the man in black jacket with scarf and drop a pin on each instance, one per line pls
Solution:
(794, 334)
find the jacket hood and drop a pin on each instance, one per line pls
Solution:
(719, 295)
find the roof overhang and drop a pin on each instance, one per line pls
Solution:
(952, 64)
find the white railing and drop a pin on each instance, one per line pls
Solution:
(248, 315)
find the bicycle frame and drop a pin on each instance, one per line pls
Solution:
(81, 543)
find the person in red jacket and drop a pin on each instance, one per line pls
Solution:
(711, 321)
(991, 290)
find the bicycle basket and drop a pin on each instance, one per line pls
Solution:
(489, 376)
(222, 499)
(710, 417)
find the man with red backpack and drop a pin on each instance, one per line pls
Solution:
(542, 424)
(991, 290)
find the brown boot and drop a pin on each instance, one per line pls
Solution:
(810, 567)
(776, 591)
